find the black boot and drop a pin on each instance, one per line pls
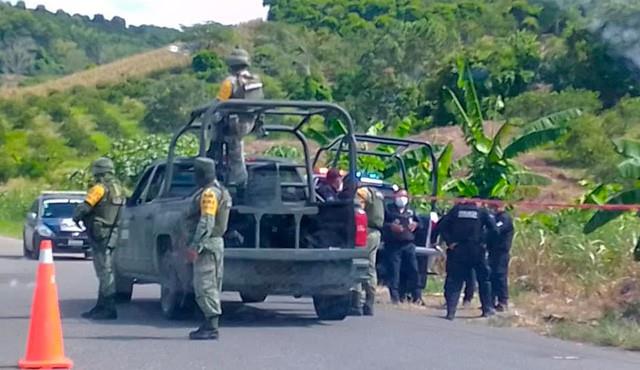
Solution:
(451, 310)
(98, 307)
(108, 311)
(207, 331)
(355, 310)
(488, 312)
(367, 309)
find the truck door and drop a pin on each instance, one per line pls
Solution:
(149, 209)
(132, 238)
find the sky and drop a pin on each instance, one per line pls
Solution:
(168, 13)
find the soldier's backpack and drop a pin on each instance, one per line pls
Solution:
(248, 87)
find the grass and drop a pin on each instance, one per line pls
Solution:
(15, 199)
(136, 66)
(611, 330)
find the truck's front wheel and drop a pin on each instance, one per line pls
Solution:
(332, 307)
(174, 301)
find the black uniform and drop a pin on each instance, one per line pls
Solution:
(463, 229)
(499, 246)
(399, 248)
(327, 192)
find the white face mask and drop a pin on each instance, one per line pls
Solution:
(402, 202)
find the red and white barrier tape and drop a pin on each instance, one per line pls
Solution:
(537, 205)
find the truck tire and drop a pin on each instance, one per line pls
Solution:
(253, 297)
(35, 248)
(175, 303)
(25, 251)
(332, 307)
(124, 289)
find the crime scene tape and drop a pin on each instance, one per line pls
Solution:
(533, 205)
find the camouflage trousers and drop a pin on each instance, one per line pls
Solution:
(367, 290)
(207, 280)
(103, 265)
(239, 127)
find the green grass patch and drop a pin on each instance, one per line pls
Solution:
(435, 285)
(10, 228)
(15, 200)
(612, 330)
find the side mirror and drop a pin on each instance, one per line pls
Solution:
(31, 216)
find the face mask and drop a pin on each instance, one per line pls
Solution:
(402, 202)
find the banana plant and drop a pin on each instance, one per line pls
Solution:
(492, 171)
(616, 193)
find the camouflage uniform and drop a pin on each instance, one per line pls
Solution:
(99, 213)
(241, 84)
(372, 202)
(210, 207)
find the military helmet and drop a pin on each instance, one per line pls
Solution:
(238, 58)
(205, 169)
(101, 166)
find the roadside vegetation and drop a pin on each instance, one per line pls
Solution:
(529, 81)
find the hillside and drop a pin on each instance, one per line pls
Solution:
(387, 65)
(137, 66)
(37, 44)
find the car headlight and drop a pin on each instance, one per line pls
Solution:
(44, 231)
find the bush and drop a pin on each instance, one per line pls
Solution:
(208, 64)
(535, 104)
(588, 145)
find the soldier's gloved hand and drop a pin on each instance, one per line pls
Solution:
(191, 255)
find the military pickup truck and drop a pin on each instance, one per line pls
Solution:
(282, 240)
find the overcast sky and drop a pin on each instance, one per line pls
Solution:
(161, 12)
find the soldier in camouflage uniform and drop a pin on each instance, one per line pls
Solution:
(99, 213)
(205, 249)
(372, 201)
(240, 84)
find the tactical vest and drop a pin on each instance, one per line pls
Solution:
(375, 209)
(247, 86)
(222, 213)
(106, 211)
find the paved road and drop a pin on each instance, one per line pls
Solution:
(281, 334)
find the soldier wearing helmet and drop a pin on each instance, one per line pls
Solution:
(99, 213)
(207, 219)
(240, 84)
(399, 227)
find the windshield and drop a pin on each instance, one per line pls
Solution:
(59, 208)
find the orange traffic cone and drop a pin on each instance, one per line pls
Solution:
(45, 349)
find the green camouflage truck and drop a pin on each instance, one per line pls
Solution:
(282, 240)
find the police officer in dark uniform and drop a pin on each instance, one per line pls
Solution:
(499, 246)
(463, 230)
(399, 227)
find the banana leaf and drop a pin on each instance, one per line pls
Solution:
(601, 218)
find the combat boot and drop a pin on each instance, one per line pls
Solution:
(98, 307)
(108, 311)
(451, 311)
(355, 309)
(367, 308)
(207, 331)
(488, 313)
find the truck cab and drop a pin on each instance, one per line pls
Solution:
(281, 239)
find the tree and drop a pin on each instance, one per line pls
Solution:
(492, 171)
(17, 56)
(208, 64)
(171, 102)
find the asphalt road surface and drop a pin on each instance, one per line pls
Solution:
(282, 333)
